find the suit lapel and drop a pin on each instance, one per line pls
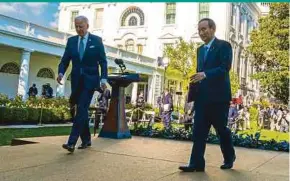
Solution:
(76, 46)
(89, 43)
(200, 58)
(211, 51)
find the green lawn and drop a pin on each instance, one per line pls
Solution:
(269, 135)
(7, 134)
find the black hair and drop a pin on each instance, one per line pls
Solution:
(211, 23)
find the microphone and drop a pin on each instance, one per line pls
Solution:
(121, 64)
(119, 61)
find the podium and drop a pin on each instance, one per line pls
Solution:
(115, 125)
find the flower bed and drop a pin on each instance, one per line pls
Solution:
(242, 140)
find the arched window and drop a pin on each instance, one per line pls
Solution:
(45, 73)
(129, 45)
(132, 10)
(133, 21)
(10, 68)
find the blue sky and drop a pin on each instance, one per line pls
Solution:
(45, 14)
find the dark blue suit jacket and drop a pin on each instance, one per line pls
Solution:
(216, 86)
(88, 67)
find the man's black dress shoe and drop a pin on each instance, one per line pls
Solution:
(84, 146)
(228, 165)
(70, 148)
(190, 169)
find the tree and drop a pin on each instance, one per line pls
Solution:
(182, 58)
(235, 85)
(269, 48)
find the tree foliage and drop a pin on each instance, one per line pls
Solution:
(269, 48)
(235, 85)
(182, 59)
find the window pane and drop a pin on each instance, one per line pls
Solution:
(99, 18)
(203, 10)
(130, 45)
(74, 14)
(140, 49)
(170, 13)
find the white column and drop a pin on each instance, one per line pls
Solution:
(236, 58)
(238, 14)
(151, 88)
(245, 33)
(242, 59)
(23, 84)
(134, 92)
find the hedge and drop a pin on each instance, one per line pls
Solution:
(29, 115)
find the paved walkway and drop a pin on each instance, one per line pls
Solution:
(38, 126)
(136, 159)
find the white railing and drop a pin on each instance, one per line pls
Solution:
(33, 30)
(10, 24)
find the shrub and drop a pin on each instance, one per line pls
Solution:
(148, 107)
(46, 116)
(254, 116)
(4, 99)
(16, 115)
(2, 109)
(16, 102)
(18, 111)
(33, 114)
(129, 106)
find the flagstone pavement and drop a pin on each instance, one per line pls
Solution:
(136, 159)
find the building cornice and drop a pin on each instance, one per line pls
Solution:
(31, 38)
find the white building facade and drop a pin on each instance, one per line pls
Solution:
(146, 28)
(31, 54)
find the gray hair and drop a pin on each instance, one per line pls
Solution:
(82, 18)
(211, 23)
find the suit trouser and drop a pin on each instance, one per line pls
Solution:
(80, 128)
(215, 114)
(72, 105)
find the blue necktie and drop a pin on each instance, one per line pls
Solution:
(81, 48)
(205, 53)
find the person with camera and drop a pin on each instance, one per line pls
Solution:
(33, 91)
(47, 91)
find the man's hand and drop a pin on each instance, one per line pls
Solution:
(197, 77)
(59, 78)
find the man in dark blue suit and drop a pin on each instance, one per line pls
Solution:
(86, 51)
(213, 95)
